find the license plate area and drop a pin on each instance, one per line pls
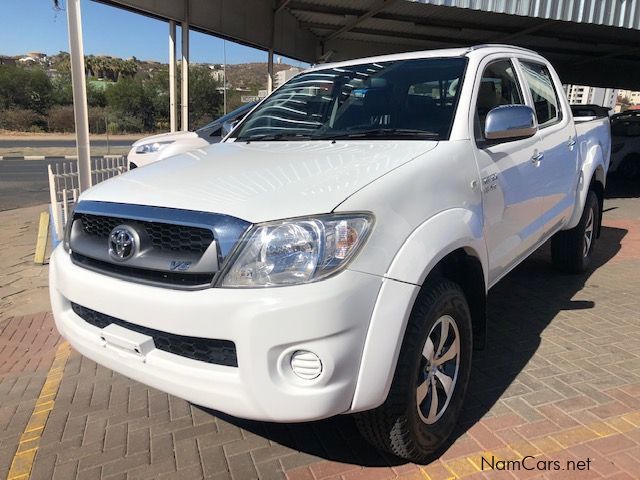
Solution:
(127, 341)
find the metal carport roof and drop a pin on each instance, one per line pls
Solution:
(593, 42)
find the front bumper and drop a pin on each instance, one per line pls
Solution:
(329, 318)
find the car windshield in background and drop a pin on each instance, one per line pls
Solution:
(229, 117)
(406, 98)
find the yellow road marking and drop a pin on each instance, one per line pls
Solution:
(463, 467)
(30, 439)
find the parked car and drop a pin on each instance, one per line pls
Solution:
(625, 153)
(335, 257)
(158, 147)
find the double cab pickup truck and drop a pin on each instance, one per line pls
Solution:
(333, 254)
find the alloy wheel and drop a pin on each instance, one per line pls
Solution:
(438, 371)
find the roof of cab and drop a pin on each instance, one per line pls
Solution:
(485, 49)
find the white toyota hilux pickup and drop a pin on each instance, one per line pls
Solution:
(333, 254)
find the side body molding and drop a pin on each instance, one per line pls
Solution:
(442, 234)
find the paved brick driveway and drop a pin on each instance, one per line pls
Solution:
(559, 380)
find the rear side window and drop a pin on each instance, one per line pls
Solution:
(498, 86)
(545, 97)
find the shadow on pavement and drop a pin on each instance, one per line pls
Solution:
(520, 307)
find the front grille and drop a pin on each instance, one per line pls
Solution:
(163, 236)
(143, 275)
(219, 352)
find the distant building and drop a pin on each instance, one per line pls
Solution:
(582, 94)
(217, 74)
(284, 76)
(7, 60)
(633, 97)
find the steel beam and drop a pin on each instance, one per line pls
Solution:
(375, 8)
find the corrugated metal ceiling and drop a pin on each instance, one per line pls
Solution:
(593, 42)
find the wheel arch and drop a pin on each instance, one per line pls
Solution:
(593, 176)
(462, 260)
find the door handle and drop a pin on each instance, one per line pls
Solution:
(572, 143)
(537, 157)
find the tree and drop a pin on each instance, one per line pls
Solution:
(25, 88)
(128, 99)
(205, 102)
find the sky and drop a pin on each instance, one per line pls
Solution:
(35, 26)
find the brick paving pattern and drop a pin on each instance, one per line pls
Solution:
(559, 379)
(23, 285)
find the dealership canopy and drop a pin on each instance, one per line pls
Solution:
(590, 42)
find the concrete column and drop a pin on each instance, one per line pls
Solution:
(173, 120)
(184, 124)
(78, 83)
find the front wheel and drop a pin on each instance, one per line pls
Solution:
(572, 250)
(431, 377)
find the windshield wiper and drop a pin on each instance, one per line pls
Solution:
(381, 133)
(273, 137)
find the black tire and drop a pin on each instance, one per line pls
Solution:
(569, 252)
(396, 426)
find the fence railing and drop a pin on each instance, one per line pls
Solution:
(64, 187)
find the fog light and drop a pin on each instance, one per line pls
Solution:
(306, 365)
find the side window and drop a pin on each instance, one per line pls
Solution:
(498, 86)
(545, 97)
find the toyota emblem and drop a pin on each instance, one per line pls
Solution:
(123, 243)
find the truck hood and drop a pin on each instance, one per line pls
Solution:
(261, 181)
(165, 137)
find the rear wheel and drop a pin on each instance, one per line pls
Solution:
(571, 250)
(431, 377)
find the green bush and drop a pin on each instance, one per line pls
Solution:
(25, 88)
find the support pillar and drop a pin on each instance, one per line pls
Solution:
(78, 83)
(173, 120)
(270, 72)
(185, 69)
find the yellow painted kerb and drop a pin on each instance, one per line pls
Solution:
(30, 438)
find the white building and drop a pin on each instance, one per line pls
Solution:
(633, 97)
(285, 75)
(217, 74)
(582, 94)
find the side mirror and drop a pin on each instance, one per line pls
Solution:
(227, 127)
(510, 122)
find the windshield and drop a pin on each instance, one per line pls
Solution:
(405, 98)
(229, 116)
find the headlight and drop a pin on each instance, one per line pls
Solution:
(297, 251)
(152, 147)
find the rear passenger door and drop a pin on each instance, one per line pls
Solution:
(509, 178)
(558, 165)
